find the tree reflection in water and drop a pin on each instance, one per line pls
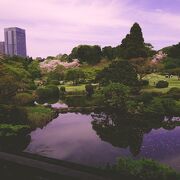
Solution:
(125, 131)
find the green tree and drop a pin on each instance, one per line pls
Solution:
(75, 75)
(85, 53)
(133, 45)
(34, 69)
(8, 86)
(108, 52)
(175, 71)
(119, 71)
(58, 74)
(142, 66)
(116, 96)
(174, 51)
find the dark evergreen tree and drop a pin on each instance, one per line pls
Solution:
(108, 52)
(119, 71)
(133, 45)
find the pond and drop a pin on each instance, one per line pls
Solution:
(95, 140)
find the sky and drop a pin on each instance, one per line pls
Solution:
(56, 26)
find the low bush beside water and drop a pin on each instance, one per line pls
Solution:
(143, 169)
(160, 107)
(13, 130)
(39, 115)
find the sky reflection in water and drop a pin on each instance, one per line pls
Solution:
(71, 137)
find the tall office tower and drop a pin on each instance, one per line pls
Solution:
(15, 41)
(2, 48)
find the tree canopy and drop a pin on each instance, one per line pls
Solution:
(86, 53)
(133, 45)
(119, 71)
(75, 75)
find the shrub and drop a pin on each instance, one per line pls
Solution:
(145, 169)
(144, 82)
(50, 91)
(32, 86)
(62, 90)
(155, 108)
(53, 90)
(38, 116)
(161, 107)
(162, 84)
(89, 90)
(23, 99)
(13, 130)
(147, 97)
(169, 106)
(12, 114)
(174, 93)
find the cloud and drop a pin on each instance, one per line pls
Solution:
(55, 26)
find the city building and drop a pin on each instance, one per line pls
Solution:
(15, 41)
(2, 48)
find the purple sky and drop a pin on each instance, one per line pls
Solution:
(56, 26)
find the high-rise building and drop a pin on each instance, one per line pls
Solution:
(15, 41)
(2, 48)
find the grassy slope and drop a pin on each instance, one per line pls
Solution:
(38, 116)
(154, 78)
(91, 72)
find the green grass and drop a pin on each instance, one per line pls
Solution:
(154, 78)
(38, 116)
(79, 88)
(13, 130)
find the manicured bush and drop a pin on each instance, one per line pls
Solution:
(162, 84)
(145, 169)
(144, 82)
(50, 91)
(23, 99)
(89, 90)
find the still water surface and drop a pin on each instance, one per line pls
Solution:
(72, 137)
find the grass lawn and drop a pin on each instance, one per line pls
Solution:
(154, 78)
(71, 88)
